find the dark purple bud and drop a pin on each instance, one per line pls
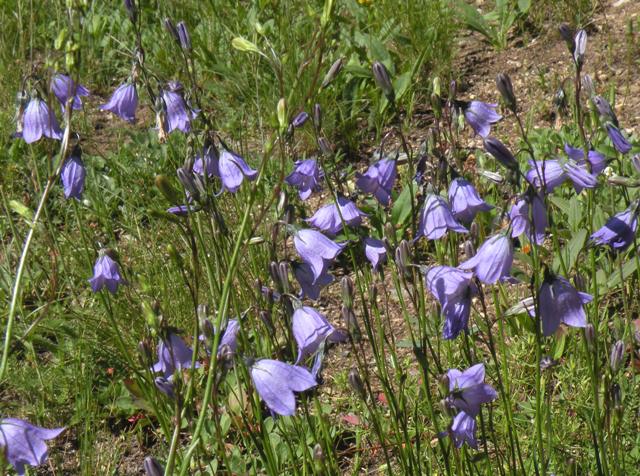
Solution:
(356, 383)
(183, 36)
(590, 336)
(500, 152)
(381, 76)
(605, 110)
(581, 47)
(503, 82)
(152, 467)
(171, 29)
(619, 141)
(346, 284)
(300, 119)
(131, 10)
(566, 33)
(336, 67)
(616, 356)
(317, 116)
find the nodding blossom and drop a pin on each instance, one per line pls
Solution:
(465, 200)
(178, 113)
(63, 87)
(560, 303)
(463, 430)
(123, 102)
(331, 217)
(480, 115)
(306, 177)
(72, 175)
(39, 120)
(378, 180)
(436, 218)
(310, 330)
(521, 222)
(492, 262)
(173, 354)
(310, 287)
(106, 273)
(375, 251)
(316, 250)
(24, 444)
(233, 170)
(467, 390)
(618, 140)
(619, 231)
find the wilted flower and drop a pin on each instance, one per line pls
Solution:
(23, 443)
(560, 302)
(621, 144)
(178, 114)
(310, 330)
(233, 169)
(453, 289)
(63, 87)
(619, 231)
(37, 121)
(463, 430)
(330, 220)
(375, 251)
(465, 200)
(436, 218)
(521, 222)
(306, 177)
(173, 354)
(276, 381)
(123, 102)
(467, 390)
(480, 115)
(378, 180)
(310, 286)
(500, 152)
(492, 262)
(316, 250)
(106, 273)
(72, 175)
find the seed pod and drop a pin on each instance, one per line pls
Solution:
(336, 67)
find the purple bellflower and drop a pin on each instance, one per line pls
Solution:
(316, 250)
(480, 115)
(521, 223)
(37, 121)
(165, 386)
(63, 87)
(24, 444)
(453, 288)
(467, 390)
(123, 102)
(580, 176)
(208, 161)
(378, 180)
(179, 114)
(621, 144)
(619, 231)
(306, 177)
(229, 337)
(436, 218)
(597, 161)
(463, 430)
(330, 220)
(106, 273)
(550, 171)
(492, 262)
(375, 251)
(310, 286)
(465, 200)
(310, 330)
(233, 169)
(173, 354)
(276, 381)
(560, 302)
(72, 175)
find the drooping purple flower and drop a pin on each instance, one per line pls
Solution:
(181, 210)
(480, 115)
(465, 200)
(580, 176)
(453, 288)
(378, 180)
(621, 144)
(547, 173)
(228, 340)
(24, 444)
(619, 231)
(316, 250)
(375, 251)
(310, 330)
(306, 177)
(436, 218)
(233, 169)
(605, 110)
(207, 160)
(38, 120)
(467, 390)
(178, 114)
(311, 287)
(63, 87)
(72, 175)
(173, 354)
(560, 302)
(330, 220)
(106, 273)
(123, 102)
(463, 430)
(276, 381)
(165, 386)
(300, 119)
(501, 153)
(183, 36)
(492, 262)
(521, 222)
(597, 161)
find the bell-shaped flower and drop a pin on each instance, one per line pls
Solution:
(173, 354)
(375, 251)
(465, 200)
(228, 340)
(72, 176)
(165, 386)
(310, 330)
(521, 222)
(106, 273)
(547, 173)
(306, 177)
(453, 288)
(378, 180)
(467, 390)
(123, 102)
(330, 220)
(463, 430)
(597, 161)
(619, 231)
(580, 176)
(480, 115)
(207, 160)
(501, 153)
(316, 250)
(618, 140)
(38, 120)
(24, 444)
(560, 302)
(276, 381)
(492, 262)
(233, 169)
(178, 114)
(436, 218)
(310, 287)
(63, 87)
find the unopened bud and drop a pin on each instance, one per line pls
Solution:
(346, 285)
(623, 181)
(373, 292)
(273, 271)
(317, 116)
(171, 29)
(283, 274)
(318, 454)
(356, 383)
(187, 180)
(336, 67)
(500, 152)
(165, 386)
(403, 257)
(145, 353)
(132, 12)
(443, 384)
(300, 119)
(281, 110)
(635, 160)
(503, 82)
(325, 147)
(590, 336)
(580, 282)
(351, 323)
(152, 467)
(183, 36)
(453, 89)
(588, 86)
(567, 35)
(605, 110)
(473, 230)
(381, 76)
(616, 356)
(616, 396)
(436, 105)
(469, 249)
(581, 47)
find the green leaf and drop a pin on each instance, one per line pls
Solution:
(22, 210)
(402, 207)
(524, 5)
(627, 270)
(571, 251)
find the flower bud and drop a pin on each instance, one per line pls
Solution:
(283, 274)
(588, 86)
(503, 82)
(346, 285)
(616, 356)
(567, 35)
(382, 79)
(351, 323)
(356, 383)
(336, 67)
(274, 272)
(500, 152)
(317, 116)
(473, 231)
(318, 454)
(165, 387)
(325, 147)
(242, 44)
(373, 293)
(605, 111)
(635, 160)
(171, 29)
(581, 47)
(469, 249)
(623, 181)
(187, 180)
(131, 10)
(560, 100)
(145, 353)
(183, 36)
(616, 396)
(152, 467)
(443, 384)
(265, 317)
(300, 119)
(403, 257)
(590, 336)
